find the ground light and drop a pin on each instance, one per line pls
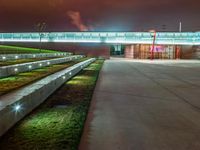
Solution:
(30, 67)
(17, 108)
(16, 69)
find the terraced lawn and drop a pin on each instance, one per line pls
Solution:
(4, 49)
(58, 123)
(11, 83)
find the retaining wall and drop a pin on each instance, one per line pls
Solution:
(6, 57)
(15, 69)
(15, 105)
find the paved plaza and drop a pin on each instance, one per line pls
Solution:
(145, 105)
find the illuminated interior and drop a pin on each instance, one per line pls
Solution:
(164, 38)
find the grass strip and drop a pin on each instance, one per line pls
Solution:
(58, 123)
(5, 49)
(13, 82)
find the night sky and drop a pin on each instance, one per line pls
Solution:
(99, 15)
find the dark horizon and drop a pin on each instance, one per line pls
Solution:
(105, 15)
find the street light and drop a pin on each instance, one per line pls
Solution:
(41, 27)
(153, 44)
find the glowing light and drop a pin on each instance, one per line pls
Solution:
(17, 108)
(16, 57)
(70, 73)
(4, 57)
(152, 31)
(15, 69)
(64, 77)
(48, 63)
(30, 67)
(40, 65)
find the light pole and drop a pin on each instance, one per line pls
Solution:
(153, 44)
(41, 27)
(180, 26)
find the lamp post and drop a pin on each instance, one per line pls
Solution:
(41, 27)
(153, 44)
(180, 27)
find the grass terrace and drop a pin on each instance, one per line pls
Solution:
(58, 123)
(4, 49)
(11, 83)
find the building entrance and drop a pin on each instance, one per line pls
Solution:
(117, 50)
(140, 51)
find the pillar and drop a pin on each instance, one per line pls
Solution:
(129, 51)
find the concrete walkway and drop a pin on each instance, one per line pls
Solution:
(144, 105)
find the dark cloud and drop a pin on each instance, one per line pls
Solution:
(127, 15)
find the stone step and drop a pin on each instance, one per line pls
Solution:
(6, 57)
(6, 71)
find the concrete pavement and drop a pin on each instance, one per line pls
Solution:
(145, 105)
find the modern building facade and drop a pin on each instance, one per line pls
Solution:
(136, 45)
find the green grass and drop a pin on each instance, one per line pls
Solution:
(11, 83)
(53, 128)
(4, 49)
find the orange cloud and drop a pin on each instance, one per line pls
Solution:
(77, 20)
